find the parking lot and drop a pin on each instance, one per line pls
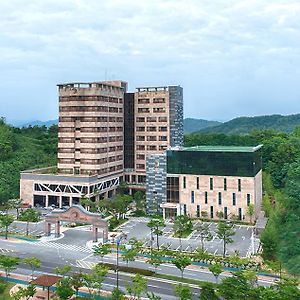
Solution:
(244, 242)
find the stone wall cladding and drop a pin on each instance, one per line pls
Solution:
(156, 182)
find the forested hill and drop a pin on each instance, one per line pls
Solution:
(21, 149)
(244, 125)
(191, 125)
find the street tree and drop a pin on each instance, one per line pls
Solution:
(140, 200)
(251, 211)
(136, 244)
(76, 280)
(14, 204)
(203, 232)
(89, 281)
(99, 272)
(5, 221)
(137, 287)
(156, 224)
(129, 255)
(155, 260)
(208, 292)
(237, 287)
(225, 232)
(33, 262)
(63, 271)
(182, 225)
(117, 294)
(183, 292)
(216, 269)
(64, 289)
(101, 250)
(181, 262)
(220, 214)
(24, 293)
(8, 263)
(29, 215)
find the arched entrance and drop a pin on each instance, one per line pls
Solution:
(76, 213)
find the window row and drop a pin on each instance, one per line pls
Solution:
(211, 184)
(90, 109)
(151, 147)
(152, 129)
(212, 213)
(142, 138)
(91, 119)
(90, 98)
(234, 198)
(154, 100)
(151, 119)
(154, 110)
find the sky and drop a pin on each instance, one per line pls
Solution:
(232, 57)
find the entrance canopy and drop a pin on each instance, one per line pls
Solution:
(79, 214)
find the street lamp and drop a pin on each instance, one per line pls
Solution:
(118, 248)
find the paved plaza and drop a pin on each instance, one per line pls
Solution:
(76, 239)
(243, 240)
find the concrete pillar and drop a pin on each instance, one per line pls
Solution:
(70, 201)
(106, 195)
(60, 202)
(47, 201)
(57, 229)
(95, 234)
(164, 213)
(105, 235)
(47, 229)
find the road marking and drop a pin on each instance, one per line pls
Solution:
(64, 246)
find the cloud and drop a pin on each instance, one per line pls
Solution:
(215, 49)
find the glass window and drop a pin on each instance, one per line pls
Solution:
(241, 164)
(211, 211)
(248, 199)
(225, 213)
(198, 211)
(225, 184)
(239, 185)
(184, 182)
(197, 183)
(233, 199)
(240, 214)
(220, 198)
(193, 197)
(205, 197)
(211, 183)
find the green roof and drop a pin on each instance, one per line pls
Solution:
(221, 148)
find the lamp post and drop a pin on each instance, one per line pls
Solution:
(118, 248)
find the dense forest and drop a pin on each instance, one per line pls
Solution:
(281, 164)
(244, 125)
(22, 149)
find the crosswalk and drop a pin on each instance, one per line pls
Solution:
(2, 250)
(84, 264)
(64, 246)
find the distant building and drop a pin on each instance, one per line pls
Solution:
(205, 182)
